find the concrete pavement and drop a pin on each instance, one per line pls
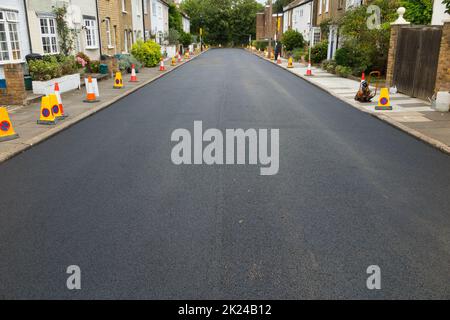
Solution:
(104, 195)
(30, 133)
(411, 115)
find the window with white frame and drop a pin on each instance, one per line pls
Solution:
(48, 35)
(320, 6)
(125, 41)
(9, 36)
(327, 5)
(124, 6)
(90, 26)
(108, 32)
(160, 12)
(145, 7)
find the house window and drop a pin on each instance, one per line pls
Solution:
(327, 5)
(154, 8)
(160, 12)
(48, 35)
(124, 6)
(125, 41)
(340, 4)
(91, 33)
(145, 7)
(108, 32)
(9, 37)
(320, 6)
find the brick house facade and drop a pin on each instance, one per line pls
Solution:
(262, 25)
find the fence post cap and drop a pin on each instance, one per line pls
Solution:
(400, 20)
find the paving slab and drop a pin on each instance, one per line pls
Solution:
(24, 118)
(411, 115)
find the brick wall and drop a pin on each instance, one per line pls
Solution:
(15, 86)
(110, 9)
(443, 71)
(395, 29)
(260, 25)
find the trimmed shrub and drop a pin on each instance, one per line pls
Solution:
(148, 53)
(292, 39)
(52, 66)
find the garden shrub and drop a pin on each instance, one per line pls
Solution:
(185, 39)
(297, 54)
(343, 71)
(148, 52)
(125, 62)
(51, 66)
(331, 66)
(292, 39)
(319, 52)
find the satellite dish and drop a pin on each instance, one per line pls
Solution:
(74, 17)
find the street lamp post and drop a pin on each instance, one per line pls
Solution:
(269, 48)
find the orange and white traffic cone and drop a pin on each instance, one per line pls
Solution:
(6, 129)
(60, 104)
(133, 77)
(279, 59)
(90, 93)
(309, 71)
(179, 57)
(161, 65)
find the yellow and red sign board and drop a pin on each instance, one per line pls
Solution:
(384, 103)
(6, 129)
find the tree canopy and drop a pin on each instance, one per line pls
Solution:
(223, 21)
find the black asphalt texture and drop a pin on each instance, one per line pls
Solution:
(104, 194)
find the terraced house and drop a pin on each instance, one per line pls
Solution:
(81, 17)
(14, 36)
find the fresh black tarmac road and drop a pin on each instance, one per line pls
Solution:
(104, 194)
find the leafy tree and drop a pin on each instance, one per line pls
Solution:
(278, 5)
(447, 6)
(175, 19)
(292, 39)
(173, 36)
(368, 47)
(418, 11)
(185, 39)
(223, 21)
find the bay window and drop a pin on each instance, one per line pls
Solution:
(9, 37)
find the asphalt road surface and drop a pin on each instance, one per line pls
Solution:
(104, 195)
